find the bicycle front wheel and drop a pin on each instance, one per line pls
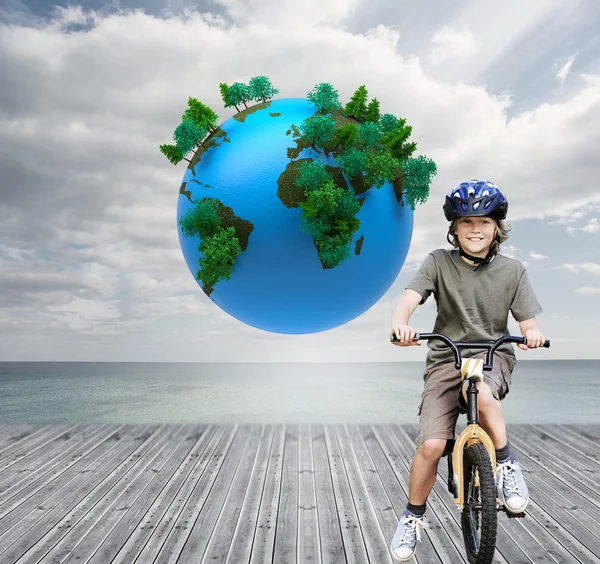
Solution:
(479, 516)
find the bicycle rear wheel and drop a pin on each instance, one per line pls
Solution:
(479, 516)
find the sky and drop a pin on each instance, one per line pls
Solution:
(90, 263)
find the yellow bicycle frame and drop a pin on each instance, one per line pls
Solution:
(471, 369)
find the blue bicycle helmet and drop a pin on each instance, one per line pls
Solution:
(476, 198)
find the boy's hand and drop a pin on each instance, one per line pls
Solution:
(405, 334)
(534, 339)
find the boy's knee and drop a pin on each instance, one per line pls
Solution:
(485, 397)
(432, 449)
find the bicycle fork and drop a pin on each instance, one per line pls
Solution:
(472, 370)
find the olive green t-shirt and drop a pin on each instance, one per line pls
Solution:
(473, 305)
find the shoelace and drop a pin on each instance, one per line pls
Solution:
(415, 524)
(507, 477)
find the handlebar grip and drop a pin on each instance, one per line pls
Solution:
(393, 337)
(546, 344)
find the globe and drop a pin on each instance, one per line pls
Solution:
(278, 283)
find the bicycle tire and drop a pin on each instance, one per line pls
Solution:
(479, 516)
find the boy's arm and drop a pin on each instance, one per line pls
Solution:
(530, 330)
(405, 307)
(401, 313)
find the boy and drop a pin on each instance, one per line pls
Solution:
(475, 288)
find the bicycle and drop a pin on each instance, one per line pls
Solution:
(472, 457)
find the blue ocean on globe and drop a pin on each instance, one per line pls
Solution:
(278, 283)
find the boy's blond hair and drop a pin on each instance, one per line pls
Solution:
(502, 229)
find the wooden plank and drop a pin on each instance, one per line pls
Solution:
(63, 494)
(31, 468)
(562, 509)
(31, 494)
(59, 539)
(309, 549)
(264, 534)
(330, 533)
(188, 538)
(557, 536)
(172, 531)
(107, 526)
(563, 458)
(12, 434)
(581, 449)
(286, 537)
(582, 444)
(353, 542)
(203, 440)
(588, 430)
(212, 544)
(32, 443)
(369, 499)
(240, 544)
(548, 478)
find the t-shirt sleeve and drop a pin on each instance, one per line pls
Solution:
(524, 304)
(425, 281)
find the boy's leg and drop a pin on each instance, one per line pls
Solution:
(491, 414)
(438, 413)
(512, 489)
(423, 470)
(492, 390)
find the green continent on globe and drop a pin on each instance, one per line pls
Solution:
(210, 141)
(332, 229)
(223, 236)
(241, 116)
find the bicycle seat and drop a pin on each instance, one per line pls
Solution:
(472, 369)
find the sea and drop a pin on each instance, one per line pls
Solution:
(555, 391)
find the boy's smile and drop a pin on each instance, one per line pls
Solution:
(476, 234)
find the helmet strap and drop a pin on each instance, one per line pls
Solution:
(478, 260)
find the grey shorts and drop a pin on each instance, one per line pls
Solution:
(439, 407)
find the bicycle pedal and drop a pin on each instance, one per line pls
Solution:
(512, 515)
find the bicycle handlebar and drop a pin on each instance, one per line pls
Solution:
(491, 346)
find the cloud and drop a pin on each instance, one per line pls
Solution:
(537, 256)
(591, 227)
(591, 267)
(570, 216)
(570, 267)
(450, 43)
(587, 266)
(588, 290)
(284, 12)
(508, 250)
(565, 69)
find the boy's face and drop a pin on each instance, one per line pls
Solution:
(476, 234)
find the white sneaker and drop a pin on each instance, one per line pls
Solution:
(512, 490)
(407, 534)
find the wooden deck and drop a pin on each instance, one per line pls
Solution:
(271, 493)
